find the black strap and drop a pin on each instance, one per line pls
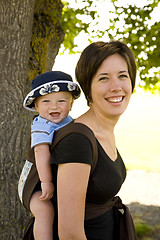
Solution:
(80, 129)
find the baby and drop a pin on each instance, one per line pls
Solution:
(52, 97)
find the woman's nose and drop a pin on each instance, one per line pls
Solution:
(115, 85)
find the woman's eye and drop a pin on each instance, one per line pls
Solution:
(123, 76)
(103, 78)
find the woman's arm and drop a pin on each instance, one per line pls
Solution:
(72, 182)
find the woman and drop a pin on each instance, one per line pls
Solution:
(106, 73)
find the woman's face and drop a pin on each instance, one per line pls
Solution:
(111, 87)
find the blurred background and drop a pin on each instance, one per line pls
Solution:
(138, 130)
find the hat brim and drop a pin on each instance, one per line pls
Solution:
(54, 86)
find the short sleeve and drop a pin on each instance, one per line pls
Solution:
(41, 132)
(73, 148)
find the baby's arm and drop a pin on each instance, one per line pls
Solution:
(42, 157)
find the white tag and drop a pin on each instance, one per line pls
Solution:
(23, 177)
(121, 210)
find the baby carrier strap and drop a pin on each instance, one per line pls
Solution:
(32, 177)
(78, 128)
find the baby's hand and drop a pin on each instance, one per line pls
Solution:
(47, 191)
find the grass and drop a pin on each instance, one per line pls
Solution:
(142, 229)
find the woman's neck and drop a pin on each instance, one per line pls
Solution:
(103, 129)
(102, 122)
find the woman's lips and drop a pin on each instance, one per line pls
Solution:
(115, 99)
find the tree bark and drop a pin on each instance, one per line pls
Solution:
(24, 53)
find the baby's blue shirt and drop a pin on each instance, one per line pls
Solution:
(42, 130)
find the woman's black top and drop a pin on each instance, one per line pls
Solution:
(104, 182)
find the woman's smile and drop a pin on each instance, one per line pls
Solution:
(117, 99)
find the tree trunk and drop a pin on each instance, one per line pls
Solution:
(25, 51)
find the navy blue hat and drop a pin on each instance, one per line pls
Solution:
(53, 81)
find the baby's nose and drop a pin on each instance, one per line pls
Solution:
(54, 105)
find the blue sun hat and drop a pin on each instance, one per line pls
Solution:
(53, 81)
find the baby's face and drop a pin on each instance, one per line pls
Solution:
(54, 106)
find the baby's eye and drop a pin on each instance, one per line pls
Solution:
(61, 100)
(46, 100)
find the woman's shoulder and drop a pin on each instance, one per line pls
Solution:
(78, 127)
(75, 131)
(72, 141)
(75, 147)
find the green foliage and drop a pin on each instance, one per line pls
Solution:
(142, 35)
(129, 23)
(72, 24)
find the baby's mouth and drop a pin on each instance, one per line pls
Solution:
(55, 114)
